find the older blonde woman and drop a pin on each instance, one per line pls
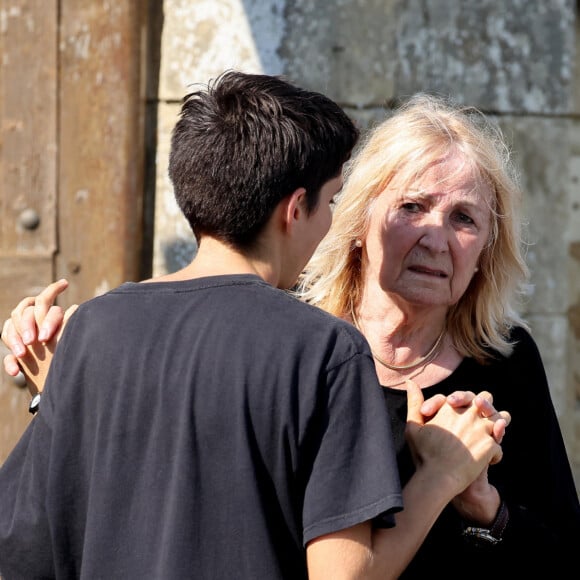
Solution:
(424, 257)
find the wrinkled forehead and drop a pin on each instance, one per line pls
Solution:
(454, 173)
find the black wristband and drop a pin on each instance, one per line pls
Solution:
(501, 521)
(492, 535)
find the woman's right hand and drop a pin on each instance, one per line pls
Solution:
(479, 502)
(31, 333)
(457, 442)
(483, 401)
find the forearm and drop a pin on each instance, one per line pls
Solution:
(479, 504)
(394, 548)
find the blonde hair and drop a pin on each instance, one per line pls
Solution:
(423, 131)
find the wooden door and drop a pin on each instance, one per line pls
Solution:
(71, 156)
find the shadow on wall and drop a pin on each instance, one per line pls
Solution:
(156, 20)
(267, 28)
(178, 253)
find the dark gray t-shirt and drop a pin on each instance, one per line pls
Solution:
(204, 429)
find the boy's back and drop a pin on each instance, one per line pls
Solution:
(198, 445)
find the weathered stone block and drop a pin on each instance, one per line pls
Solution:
(548, 332)
(345, 48)
(201, 39)
(541, 150)
(513, 56)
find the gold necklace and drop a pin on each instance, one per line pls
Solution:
(423, 360)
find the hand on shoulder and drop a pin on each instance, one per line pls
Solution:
(32, 332)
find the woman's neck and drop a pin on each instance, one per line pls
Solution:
(407, 341)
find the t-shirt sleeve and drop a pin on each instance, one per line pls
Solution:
(354, 474)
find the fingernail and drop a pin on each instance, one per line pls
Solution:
(43, 334)
(27, 336)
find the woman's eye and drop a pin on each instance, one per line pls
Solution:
(411, 206)
(464, 218)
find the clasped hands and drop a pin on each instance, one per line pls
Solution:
(455, 439)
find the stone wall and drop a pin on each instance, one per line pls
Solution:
(514, 59)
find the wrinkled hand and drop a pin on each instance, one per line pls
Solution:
(483, 401)
(31, 333)
(457, 443)
(479, 502)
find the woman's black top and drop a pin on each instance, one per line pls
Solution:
(534, 477)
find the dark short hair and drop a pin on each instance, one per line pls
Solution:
(244, 143)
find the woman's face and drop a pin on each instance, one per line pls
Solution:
(424, 241)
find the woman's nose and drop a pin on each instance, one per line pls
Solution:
(435, 236)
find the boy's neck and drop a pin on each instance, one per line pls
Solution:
(216, 258)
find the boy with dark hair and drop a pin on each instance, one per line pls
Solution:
(257, 139)
(206, 424)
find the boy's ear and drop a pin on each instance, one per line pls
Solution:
(294, 208)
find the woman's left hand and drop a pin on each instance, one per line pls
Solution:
(478, 503)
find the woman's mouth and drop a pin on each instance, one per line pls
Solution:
(428, 271)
